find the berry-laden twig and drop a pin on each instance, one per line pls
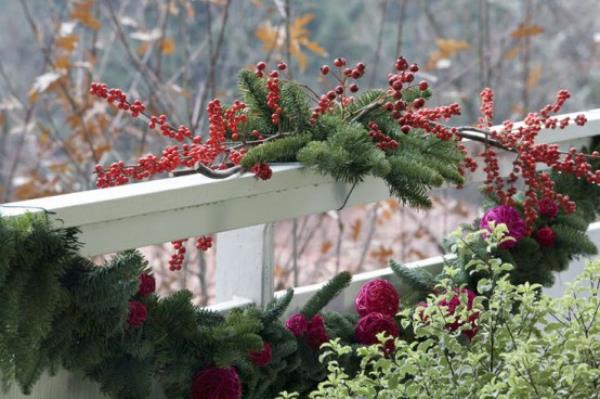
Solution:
(272, 114)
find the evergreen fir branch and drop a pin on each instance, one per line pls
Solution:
(279, 150)
(577, 241)
(416, 279)
(410, 94)
(322, 297)
(275, 309)
(407, 191)
(348, 155)
(573, 220)
(412, 168)
(209, 318)
(326, 126)
(296, 109)
(340, 325)
(254, 93)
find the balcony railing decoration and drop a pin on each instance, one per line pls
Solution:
(387, 133)
(59, 310)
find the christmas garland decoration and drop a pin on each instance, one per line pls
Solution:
(61, 311)
(388, 133)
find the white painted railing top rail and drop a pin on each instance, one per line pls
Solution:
(153, 212)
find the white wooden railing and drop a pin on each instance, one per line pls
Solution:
(239, 209)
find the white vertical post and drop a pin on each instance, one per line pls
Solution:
(245, 264)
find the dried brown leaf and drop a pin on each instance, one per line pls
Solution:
(526, 31)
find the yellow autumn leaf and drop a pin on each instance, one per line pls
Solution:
(167, 46)
(513, 53)
(142, 48)
(526, 30)
(356, 228)
(44, 137)
(449, 47)
(326, 247)
(382, 254)
(269, 36)
(62, 63)
(68, 42)
(533, 78)
(274, 38)
(446, 48)
(82, 11)
(60, 168)
(314, 47)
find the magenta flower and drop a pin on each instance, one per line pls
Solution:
(511, 218)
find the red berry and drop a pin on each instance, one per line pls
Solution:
(325, 69)
(423, 85)
(354, 88)
(339, 62)
(418, 103)
(261, 65)
(339, 89)
(414, 68)
(405, 129)
(282, 66)
(360, 66)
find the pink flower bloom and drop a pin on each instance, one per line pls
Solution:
(297, 324)
(548, 208)
(147, 284)
(263, 357)
(545, 237)
(317, 334)
(374, 323)
(216, 383)
(377, 296)
(137, 314)
(511, 218)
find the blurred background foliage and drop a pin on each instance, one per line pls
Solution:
(178, 54)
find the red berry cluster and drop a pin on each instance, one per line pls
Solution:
(118, 98)
(179, 134)
(273, 89)
(522, 139)
(176, 261)
(262, 171)
(203, 243)
(328, 100)
(233, 120)
(414, 115)
(487, 107)
(217, 126)
(384, 142)
(396, 81)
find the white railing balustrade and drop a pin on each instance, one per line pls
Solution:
(239, 209)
